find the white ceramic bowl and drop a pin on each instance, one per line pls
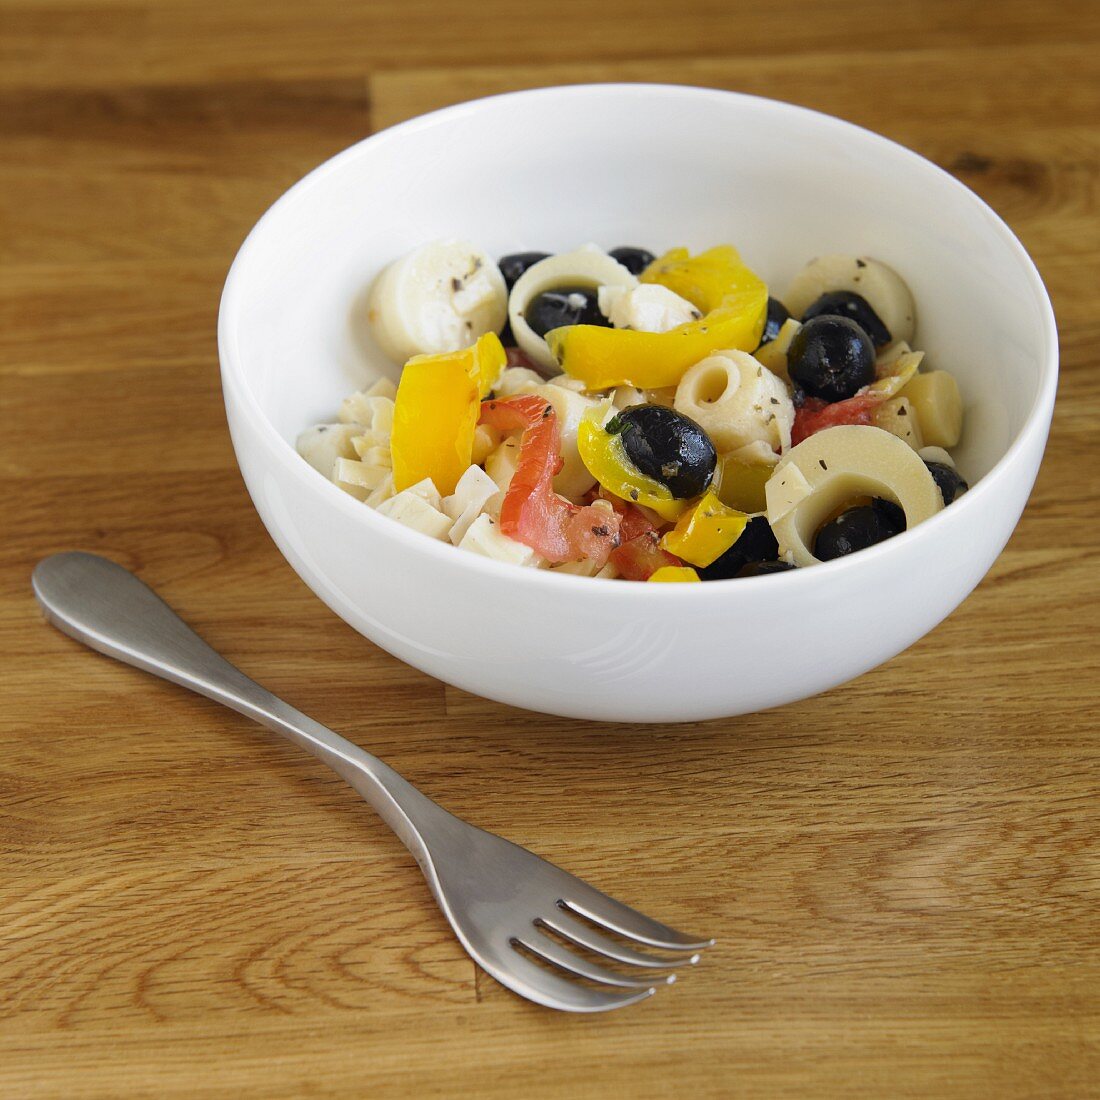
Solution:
(655, 166)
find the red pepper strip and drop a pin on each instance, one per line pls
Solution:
(641, 553)
(815, 415)
(640, 557)
(532, 513)
(634, 520)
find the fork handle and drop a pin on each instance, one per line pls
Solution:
(106, 607)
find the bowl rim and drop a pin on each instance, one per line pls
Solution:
(1036, 423)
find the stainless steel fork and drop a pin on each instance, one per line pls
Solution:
(521, 918)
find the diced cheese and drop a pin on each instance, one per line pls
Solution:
(384, 387)
(516, 380)
(567, 383)
(413, 510)
(383, 492)
(501, 464)
(378, 456)
(623, 397)
(427, 492)
(773, 354)
(938, 404)
(373, 411)
(350, 474)
(484, 537)
(648, 307)
(474, 490)
(323, 444)
(898, 417)
(363, 443)
(785, 490)
(486, 440)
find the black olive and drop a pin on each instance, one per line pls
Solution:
(513, 266)
(853, 530)
(844, 303)
(761, 568)
(892, 514)
(831, 358)
(564, 305)
(635, 260)
(668, 447)
(951, 485)
(507, 338)
(756, 543)
(777, 315)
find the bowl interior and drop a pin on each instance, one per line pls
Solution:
(645, 165)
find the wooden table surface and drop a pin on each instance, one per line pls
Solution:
(903, 873)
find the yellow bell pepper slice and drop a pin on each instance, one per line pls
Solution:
(436, 411)
(605, 458)
(704, 534)
(674, 574)
(734, 303)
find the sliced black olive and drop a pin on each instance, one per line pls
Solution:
(892, 514)
(514, 265)
(761, 568)
(831, 358)
(755, 544)
(564, 305)
(668, 447)
(853, 530)
(635, 260)
(844, 303)
(951, 485)
(777, 317)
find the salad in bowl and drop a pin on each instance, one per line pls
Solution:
(627, 416)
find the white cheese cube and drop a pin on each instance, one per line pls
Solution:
(624, 397)
(501, 464)
(486, 440)
(381, 423)
(411, 509)
(384, 387)
(567, 383)
(377, 456)
(427, 492)
(373, 411)
(323, 444)
(383, 492)
(516, 380)
(349, 472)
(355, 409)
(363, 443)
(648, 307)
(474, 490)
(784, 490)
(898, 417)
(484, 538)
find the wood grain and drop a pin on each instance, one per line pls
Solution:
(904, 873)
